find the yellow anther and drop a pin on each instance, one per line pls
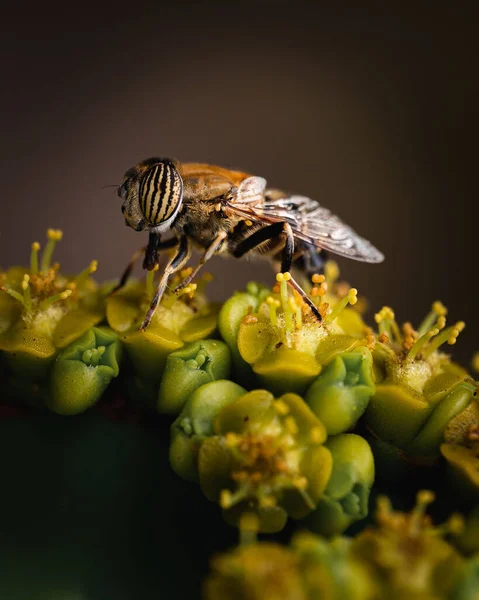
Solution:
(281, 407)
(93, 266)
(378, 317)
(301, 483)
(331, 271)
(268, 502)
(317, 435)
(439, 308)
(25, 282)
(456, 524)
(36, 246)
(441, 322)
(232, 439)
(353, 296)
(272, 301)
(383, 338)
(55, 234)
(64, 295)
(316, 278)
(291, 425)
(279, 277)
(226, 499)
(425, 497)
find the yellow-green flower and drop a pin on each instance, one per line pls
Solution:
(262, 571)
(418, 389)
(266, 456)
(42, 310)
(177, 320)
(409, 557)
(283, 342)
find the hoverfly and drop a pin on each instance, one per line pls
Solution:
(228, 212)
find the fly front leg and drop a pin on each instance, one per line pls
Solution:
(176, 263)
(150, 253)
(209, 253)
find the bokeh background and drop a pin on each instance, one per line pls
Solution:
(370, 111)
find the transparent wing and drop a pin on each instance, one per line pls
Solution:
(310, 222)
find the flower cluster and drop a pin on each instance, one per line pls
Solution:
(402, 556)
(275, 416)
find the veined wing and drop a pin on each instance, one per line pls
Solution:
(315, 225)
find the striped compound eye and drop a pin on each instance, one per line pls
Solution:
(160, 195)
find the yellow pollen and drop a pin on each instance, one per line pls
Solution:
(250, 319)
(226, 499)
(316, 278)
(281, 407)
(248, 223)
(267, 502)
(272, 301)
(232, 439)
(353, 296)
(301, 483)
(383, 338)
(425, 497)
(55, 235)
(25, 282)
(291, 425)
(316, 435)
(439, 308)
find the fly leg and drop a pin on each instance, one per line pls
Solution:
(150, 252)
(175, 264)
(210, 251)
(287, 254)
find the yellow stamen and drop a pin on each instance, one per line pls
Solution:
(13, 294)
(55, 298)
(301, 483)
(316, 435)
(437, 310)
(83, 276)
(283, 278)
(248, 526)
(34, 258)
(27, 298)
(273, 305)
(448, 335)
(281, 407)
(54, 236)
(418, 345)
(331, 270)
(350, 298)
(291, 425)
(226, 499)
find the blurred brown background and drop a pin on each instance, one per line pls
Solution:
(372, 112)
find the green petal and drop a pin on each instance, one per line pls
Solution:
(73, 325)
(256, 406)
(214, 467)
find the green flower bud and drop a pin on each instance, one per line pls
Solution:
(195, 423)
(346, 496)
(267, 456)
(468, 581)
(229, 319)
(330, 571)
(187, 369)
(341, 393)
(83, 371)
